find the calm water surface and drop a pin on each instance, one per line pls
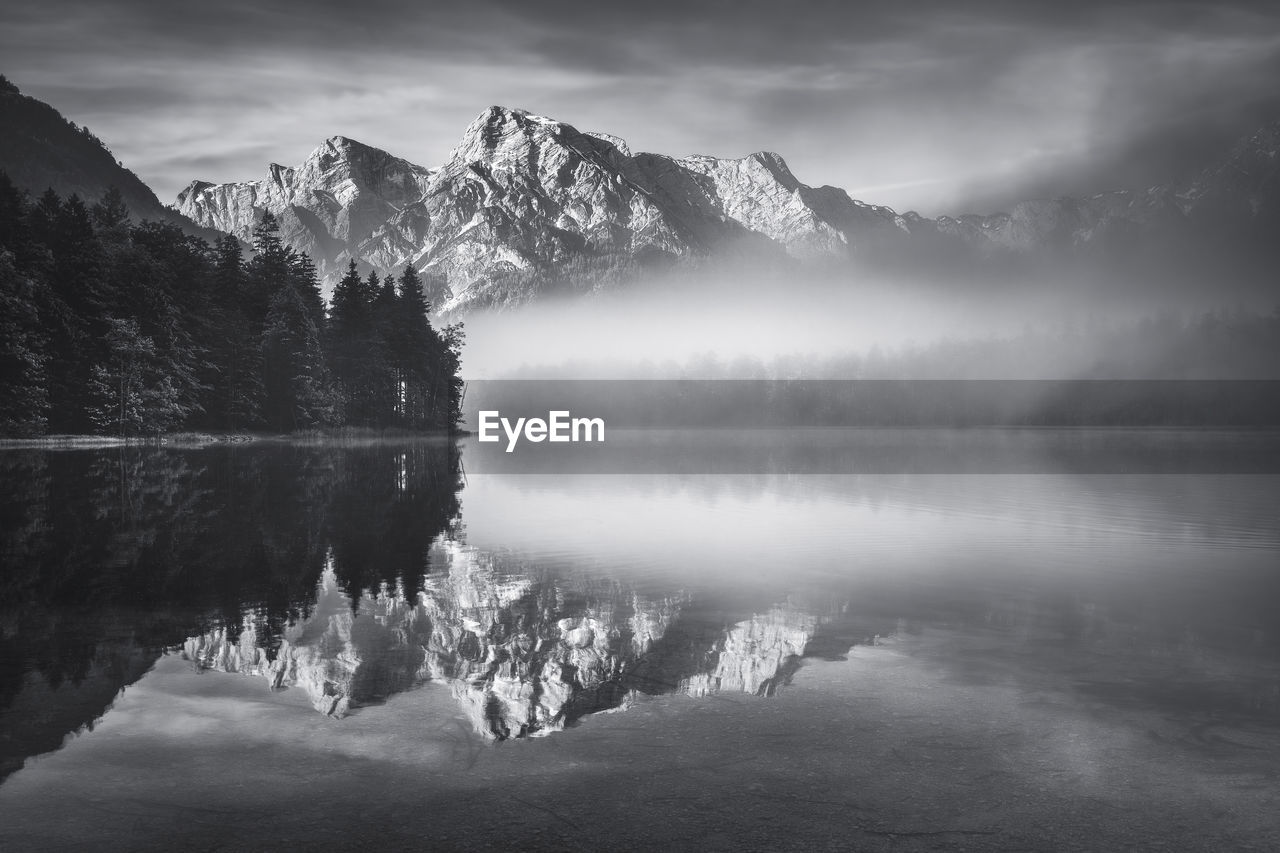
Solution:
(983, 640)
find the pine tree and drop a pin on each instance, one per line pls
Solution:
(78, 298)
(24, 393)
(14, 231)
(384, 376)
(293, 380)
(349, 321)
(306, 281)
(297, 390)
(160, 278)
(240, 312)
(24, 396)
(111, 216)
(448, 371)
(42, 219)
(417, 350)
(271, 263)
(349, 308)
(360, 328)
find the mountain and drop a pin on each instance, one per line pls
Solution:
(1243, 190)
(525, 204)
(40, 149)
(1236, 199)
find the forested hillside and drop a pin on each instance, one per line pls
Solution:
(117, 328)
(41, 149)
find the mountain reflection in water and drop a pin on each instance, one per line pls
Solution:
(345, 572)
(523, 655)
(341, 571)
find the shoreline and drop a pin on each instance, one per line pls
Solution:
(74, 441)
(205, 439)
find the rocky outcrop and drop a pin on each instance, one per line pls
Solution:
(329, 206)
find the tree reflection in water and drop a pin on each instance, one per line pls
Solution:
(113, 556)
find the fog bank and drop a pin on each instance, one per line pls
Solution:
(776, 325)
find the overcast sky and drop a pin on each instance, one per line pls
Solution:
(937, 106)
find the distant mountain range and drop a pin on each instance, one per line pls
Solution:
(526, 204)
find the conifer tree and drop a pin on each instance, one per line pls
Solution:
(270, 264)
(447, 410)
(417, 348)
(349, 309)
(111, 216)
(78, 301)
(15, 233)
(161, 278)
(296, 388)
(293, 377)
(347, 344)
(240, 312)
(24, 397)
(384, 376)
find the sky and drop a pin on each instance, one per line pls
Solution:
(936, 106)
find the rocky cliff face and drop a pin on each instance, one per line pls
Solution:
(329, 206)
(522, 653)
(525, 204)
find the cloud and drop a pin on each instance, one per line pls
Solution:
(940, 108)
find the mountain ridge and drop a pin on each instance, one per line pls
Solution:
(522, 197)
(524, 201)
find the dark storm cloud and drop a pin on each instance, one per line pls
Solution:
(937, 106)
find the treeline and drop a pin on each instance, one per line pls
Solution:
(126, 329)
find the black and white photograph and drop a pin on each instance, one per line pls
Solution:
(689, 426)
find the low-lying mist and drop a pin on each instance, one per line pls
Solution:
(772, 325)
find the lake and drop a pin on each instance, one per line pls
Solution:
(809, 639)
